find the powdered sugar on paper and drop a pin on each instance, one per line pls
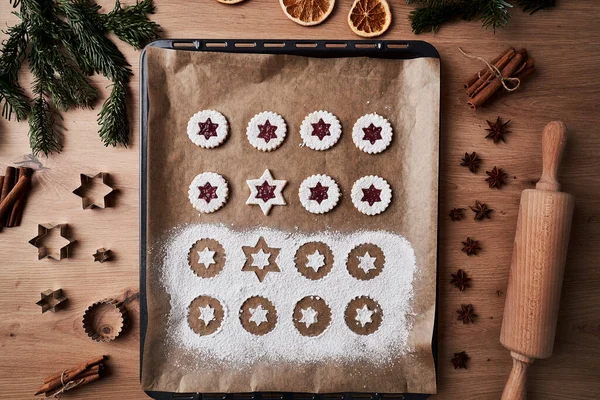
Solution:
(236, 347)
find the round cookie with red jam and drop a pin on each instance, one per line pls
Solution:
(266, 131)
(208, 192)
(320, 130)
(319, 194)
(371, 195)
(208, 129)
(372, 133)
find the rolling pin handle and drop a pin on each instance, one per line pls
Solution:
(554, 139)
(516, 386)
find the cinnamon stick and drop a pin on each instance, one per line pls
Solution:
(19, 206)
(7, 185)
(496, 84)
(488, 76)
(475, 77)
(16, 192)
(9, 216)
(85, 365)
(80, 382)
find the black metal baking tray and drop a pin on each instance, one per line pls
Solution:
(393, 49)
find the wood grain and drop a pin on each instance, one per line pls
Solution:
(563, 41)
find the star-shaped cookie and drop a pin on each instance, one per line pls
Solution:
(266, 192)
(260, 259)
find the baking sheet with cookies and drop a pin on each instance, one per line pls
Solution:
(290, 222)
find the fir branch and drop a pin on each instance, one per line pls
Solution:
(44, 136)
(132, 25)
(435, 13)
(13, 99)
(113, 120)
(100, 55)
(532, 6)
(495, 14)
(11, 93)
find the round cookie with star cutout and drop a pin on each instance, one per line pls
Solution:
(206, 258)
(372, 133)
(208, 129)
(314, 260)
(363, 315)
(266, 131)
(206, 315)
(208, 192)
(320, 130)
(311, 316)
(365, 261)
(371, 195)
(258, 315)
(319, 194)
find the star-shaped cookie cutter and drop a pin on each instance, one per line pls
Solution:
(44, 252)
(52, 300)
(82, 190)
(102, 255)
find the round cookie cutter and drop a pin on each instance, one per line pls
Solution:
(104, 320)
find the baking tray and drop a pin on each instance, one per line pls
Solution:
(391, 49)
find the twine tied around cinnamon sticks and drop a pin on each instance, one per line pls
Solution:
(90, 371)
(512, 66)
(495, 71)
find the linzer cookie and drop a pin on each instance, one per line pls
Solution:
(319, 194)
(258, 315)
(260, 259)
(363, 315)
(208, 192)
(266, 131)
(371, 195)
(207, 129)
(266, 192)
(372, 133)
(207, 258)
(311, 316)
(320, 130)
(206, 315)
(314, 260)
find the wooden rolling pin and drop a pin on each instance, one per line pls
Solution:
(538, 264)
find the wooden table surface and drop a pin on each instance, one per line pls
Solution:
(564, 42)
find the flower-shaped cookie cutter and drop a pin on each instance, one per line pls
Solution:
(104, 320)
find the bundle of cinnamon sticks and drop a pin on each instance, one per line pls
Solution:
(15, 186)
(80, 375)
(485, 83)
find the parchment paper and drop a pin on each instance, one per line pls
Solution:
(241, 85)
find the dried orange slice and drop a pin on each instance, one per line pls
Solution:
(369, 18)
(307, 12)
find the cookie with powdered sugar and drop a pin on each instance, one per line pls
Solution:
(371, 195)
(208, 192)
(208, 129)
(320, 130)
(319, 194)
(266, 131)
(372, 133)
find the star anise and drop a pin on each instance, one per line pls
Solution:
(496, 177)
(471, 246)
(472, 161)
(481, 211)
(497, 130)
(466, 314)
(456, 214)
(460, 280)
(460, 360)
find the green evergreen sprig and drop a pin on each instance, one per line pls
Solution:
(430, 15)
(65, 41)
